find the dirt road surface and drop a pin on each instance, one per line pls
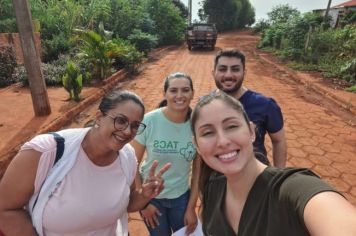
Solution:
(320, 134)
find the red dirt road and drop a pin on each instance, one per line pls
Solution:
(320, 134)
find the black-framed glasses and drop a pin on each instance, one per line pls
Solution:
(121, 122)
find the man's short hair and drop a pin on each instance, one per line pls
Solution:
(229, 52)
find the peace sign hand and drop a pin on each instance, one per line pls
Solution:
(154, 183)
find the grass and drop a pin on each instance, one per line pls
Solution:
(351, 89)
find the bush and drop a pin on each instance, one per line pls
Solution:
(59, 44)
(272, 36)
(261, 26)
(331, 51)
(127, 55)
(7, 65)
(330, 66)
(351, 89)
(7, 17)
(85, 68)
(20, 75)
(277, 38)
(349, 18)
(73, 81)
(52, 72)
(144, 42)
(8, 26)
(97, 50)
(348, 70)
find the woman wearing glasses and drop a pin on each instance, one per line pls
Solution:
(89, 190)
(168, 139)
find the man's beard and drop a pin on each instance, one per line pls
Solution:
(230, 91)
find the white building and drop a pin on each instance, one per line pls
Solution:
(338, 11)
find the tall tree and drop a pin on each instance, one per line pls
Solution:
(282, 13)
(228, 14)
(247, 14)
(169, 24)
(182, 8)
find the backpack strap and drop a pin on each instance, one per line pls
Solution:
(60, 146)
(59, 153)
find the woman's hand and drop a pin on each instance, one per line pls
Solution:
(150, 215)
(190, 220)
(154, 184)
(151, 187)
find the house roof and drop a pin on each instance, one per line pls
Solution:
(351, 3)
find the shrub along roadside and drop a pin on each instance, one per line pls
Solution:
(7, 65)
(304, 40)
(57, 20)
(97, 51)
(73, 81)
(103, 55)
(134, 28)
(52, 72)
(144, 42)
(127, 56)
(97, 57)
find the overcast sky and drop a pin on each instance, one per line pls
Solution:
(262, 7)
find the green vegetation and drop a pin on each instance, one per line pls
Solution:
(308, 44)
(351, 89)
(127, 56)
(169, 25)
(144, 42)
(7, 65)
(73, 81)
(52, 72)
(97, 51)
(98, 36)
(227, 14)
(7, 18)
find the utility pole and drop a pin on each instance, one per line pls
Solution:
(190, 11)
(32, 60)
(327, 11)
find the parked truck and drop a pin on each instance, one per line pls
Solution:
(201, 35)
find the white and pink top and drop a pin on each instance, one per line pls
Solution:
(86, 200)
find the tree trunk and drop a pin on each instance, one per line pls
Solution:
(32, 60)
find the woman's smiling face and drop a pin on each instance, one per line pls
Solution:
(223, 138)
(112, 137)
(179, 93)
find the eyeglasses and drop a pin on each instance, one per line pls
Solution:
(121, 122)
